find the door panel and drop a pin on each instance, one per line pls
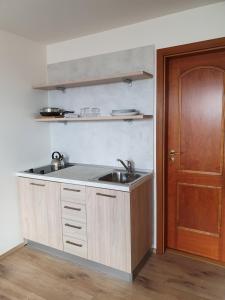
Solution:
(108, 228)
(196, 243)
(199, 123)
(199, 208)
(195, 167)
(41, 211)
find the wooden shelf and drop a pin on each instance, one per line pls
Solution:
(100, 118)
(128, 78)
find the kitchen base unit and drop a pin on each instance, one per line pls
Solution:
(107, 227)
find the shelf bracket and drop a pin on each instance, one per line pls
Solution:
(61, 88)
(128, 81)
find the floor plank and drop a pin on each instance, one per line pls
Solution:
(29, 274)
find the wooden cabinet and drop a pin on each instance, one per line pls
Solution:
(106, 226)
(119, 226)
(41, 211)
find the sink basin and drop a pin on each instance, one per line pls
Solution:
(119, 177)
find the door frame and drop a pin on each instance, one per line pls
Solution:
(163, 55)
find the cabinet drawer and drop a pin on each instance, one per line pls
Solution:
(73, 193)
(75, 246)
(73, 211)
(75, 229)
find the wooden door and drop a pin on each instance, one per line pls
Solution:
(108, 228)
(41, 211)
(195, 168)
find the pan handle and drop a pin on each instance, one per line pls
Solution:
(67, 112)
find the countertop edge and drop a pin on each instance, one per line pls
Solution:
(90, 183)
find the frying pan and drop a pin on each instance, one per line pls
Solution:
(54, 112)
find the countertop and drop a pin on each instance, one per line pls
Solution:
(84, 174)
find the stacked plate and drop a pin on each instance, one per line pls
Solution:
(125, 112)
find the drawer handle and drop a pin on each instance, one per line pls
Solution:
(72, 208)
(73, 226)
(37, 184)
(71, 190)
(74, 244)
(105, 195)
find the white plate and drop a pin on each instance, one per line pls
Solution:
(124, 110)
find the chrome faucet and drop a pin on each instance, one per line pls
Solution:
(129, 167)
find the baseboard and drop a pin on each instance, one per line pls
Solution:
(14, 249)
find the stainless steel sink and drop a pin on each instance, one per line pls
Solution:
(120, 177)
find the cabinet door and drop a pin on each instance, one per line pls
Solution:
(108, 228)
(41, 211)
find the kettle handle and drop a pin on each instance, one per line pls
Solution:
(56, 152)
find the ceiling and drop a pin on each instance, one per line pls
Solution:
(50, 21)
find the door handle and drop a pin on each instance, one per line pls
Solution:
(172, 154)
(72, 208)
(74, 244)
(73, 226)
(71, 190)
(105, 195)
(36, 184)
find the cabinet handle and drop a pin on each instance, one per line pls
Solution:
(72, 208)
(73, 226)
(74, 244)
(105, 195)
(37, 184)
(71, 190)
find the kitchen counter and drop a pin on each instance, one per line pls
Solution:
(84, 174)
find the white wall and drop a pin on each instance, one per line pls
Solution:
(202, 23)
(24, 143)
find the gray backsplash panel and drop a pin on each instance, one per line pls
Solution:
(103, 65)
(103, 142)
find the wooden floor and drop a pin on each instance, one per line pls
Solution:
(31, 275)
